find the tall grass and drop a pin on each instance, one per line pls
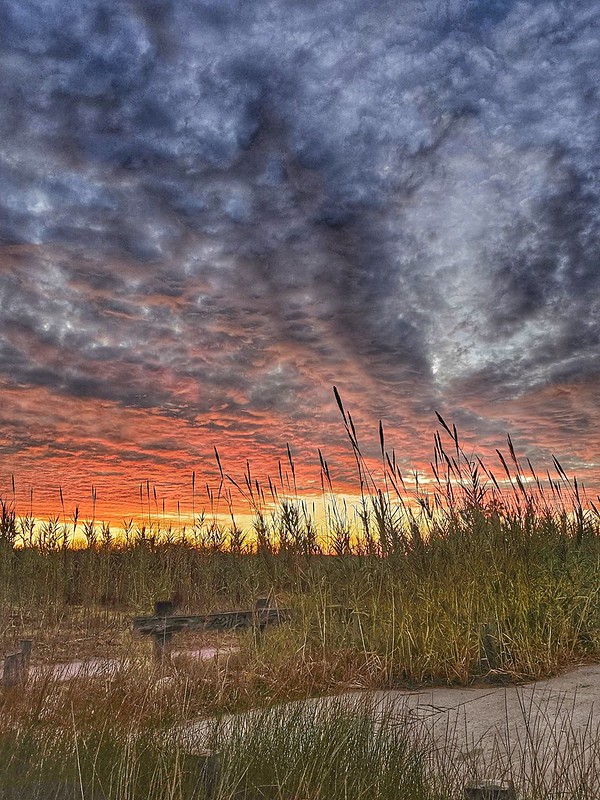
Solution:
(471, 574)
(408, 619)
(344, 751)
(468, 576)
(129, 738)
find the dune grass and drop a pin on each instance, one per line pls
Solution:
(491, 595)
(140, 735)
(468, 578)
(338, 752)
(471, 576)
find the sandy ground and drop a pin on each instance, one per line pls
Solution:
(476, 721)
(544, 736)
(480, 715)
(543, 733)
(103, 667)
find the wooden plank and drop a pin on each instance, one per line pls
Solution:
(224, 621)
(490, 790)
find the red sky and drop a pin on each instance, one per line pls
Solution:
(51, 440)
(212, 214)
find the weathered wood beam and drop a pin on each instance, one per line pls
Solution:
(490, 790)
(165, 624)
(16, 665)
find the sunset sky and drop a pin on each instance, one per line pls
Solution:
(212, 211)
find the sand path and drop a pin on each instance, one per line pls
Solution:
(543, 734)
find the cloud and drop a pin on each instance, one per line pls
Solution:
(223, 204)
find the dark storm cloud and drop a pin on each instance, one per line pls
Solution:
(229, 194)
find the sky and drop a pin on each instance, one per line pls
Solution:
(213, 211)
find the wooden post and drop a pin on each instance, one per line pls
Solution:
(209, 772)
(262, 604)
(163, 639)
(163, 608)
(26, 645)
(16, 665)
(11, 675)
(258, 628)
(490, 790)
(489, 646)
(162, 646)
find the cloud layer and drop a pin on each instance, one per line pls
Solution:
(211, 211)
